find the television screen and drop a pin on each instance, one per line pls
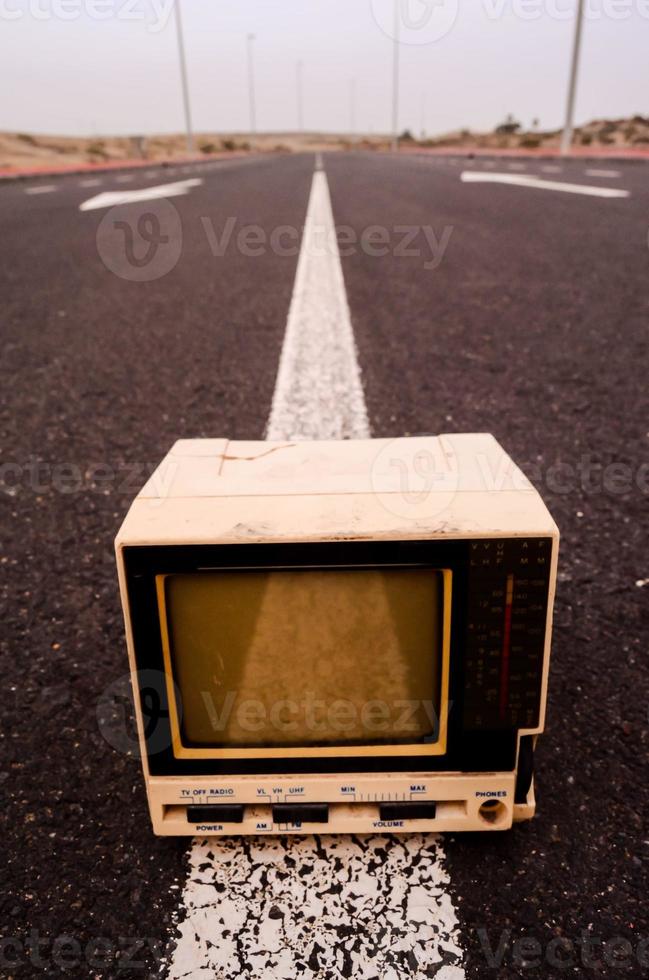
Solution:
(303, 658)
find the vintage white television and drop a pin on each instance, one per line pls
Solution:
(338, 636)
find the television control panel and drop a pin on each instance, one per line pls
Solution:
(329, 804)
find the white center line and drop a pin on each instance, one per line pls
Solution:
(603, 173)
(524, 180)
(551, 168)
(318, 392)
(40, 189)
(368, 902)
(124, 178)
(517, 166)
(90, 182)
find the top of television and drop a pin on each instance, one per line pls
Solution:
(417, 487)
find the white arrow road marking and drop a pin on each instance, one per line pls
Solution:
(337, 906)
(523, 180)
(109, 199)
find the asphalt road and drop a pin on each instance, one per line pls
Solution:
(523, 312)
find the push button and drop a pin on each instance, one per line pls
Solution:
(215, 813)
(300, 812)
(410, 810)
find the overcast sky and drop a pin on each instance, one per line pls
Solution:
(111, 66)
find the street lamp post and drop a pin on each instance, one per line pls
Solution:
(251, 84)
(395, 79)
(300, 105)
(566, 138)
(183, 77)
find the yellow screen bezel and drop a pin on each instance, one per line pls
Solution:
(182, 751)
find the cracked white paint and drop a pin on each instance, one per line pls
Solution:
(363, 907)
